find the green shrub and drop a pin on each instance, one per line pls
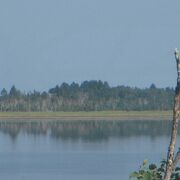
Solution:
(152, 172)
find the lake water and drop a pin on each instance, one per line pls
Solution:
(79, 150)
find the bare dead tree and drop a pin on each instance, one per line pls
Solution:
(171, 161)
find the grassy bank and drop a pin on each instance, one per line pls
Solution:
(119, 115)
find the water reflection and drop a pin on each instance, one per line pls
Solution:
(86, 130)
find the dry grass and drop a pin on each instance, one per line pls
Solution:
(151, 115)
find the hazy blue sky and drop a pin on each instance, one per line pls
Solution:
(46, 42)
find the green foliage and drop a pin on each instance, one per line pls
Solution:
(4, 92)
(152, 172)
(88, 96)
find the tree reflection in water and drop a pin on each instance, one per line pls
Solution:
(90, 130)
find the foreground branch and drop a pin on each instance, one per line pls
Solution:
(171, 162)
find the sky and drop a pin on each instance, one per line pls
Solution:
(46, 42)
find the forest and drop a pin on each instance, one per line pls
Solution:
(88, 96)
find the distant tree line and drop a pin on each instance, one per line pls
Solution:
(88, 96)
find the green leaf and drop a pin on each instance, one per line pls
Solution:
(161, 169)
(140, 176)
(141, 171)
(152, 166)
(134, 174)
(158, 176)
(147, 176)
(163, 162)
(177, 169)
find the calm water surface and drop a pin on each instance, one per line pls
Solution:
(79, 150)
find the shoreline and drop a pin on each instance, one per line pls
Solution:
(93, 115)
